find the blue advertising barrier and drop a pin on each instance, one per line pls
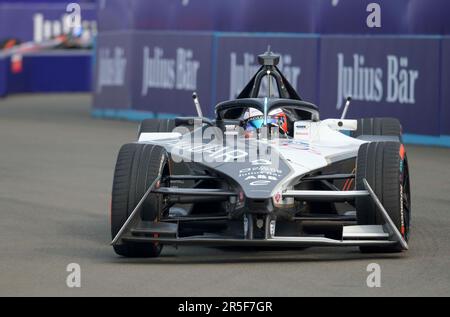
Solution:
(170, 66)
(152, 71)
(52, 71)
(405, 77)
(293, 16)
(157, 72)
(445, 87)
(3, 76)
(113, 73)
(386, 77)
(60, 71)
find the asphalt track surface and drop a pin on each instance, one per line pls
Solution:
(56, 167)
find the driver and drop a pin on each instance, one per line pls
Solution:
(254, 120)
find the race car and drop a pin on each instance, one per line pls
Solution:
(265, 172)
(75, 39)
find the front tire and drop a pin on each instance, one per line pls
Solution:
(385, 166)
(138, 165)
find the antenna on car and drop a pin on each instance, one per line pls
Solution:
(347, 105)
(197, 105)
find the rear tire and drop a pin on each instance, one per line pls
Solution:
(378, 126)
(138, 165)
(156, 125)
(384, 165)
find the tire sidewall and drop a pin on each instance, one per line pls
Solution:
(384, 165)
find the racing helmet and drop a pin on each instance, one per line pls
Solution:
(254, 120)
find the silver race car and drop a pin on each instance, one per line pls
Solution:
(266, 171)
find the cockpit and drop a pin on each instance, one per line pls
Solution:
(254, 114)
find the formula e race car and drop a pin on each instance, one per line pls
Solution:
(266, 172)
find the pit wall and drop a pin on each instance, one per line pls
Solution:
(143, 74)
